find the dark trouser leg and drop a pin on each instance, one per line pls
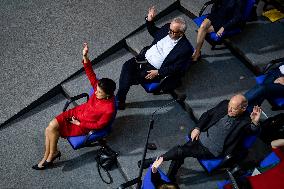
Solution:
(128, 77)
(255, 96)
(132, 74)
(258, 93)
(179, 153)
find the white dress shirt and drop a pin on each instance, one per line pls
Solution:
(281, 68)
(158, 52)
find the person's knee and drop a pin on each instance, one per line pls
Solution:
(202, 28)
(52, 126)
(205, 25)
(277, 143)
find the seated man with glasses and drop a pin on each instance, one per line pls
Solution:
(168, 54)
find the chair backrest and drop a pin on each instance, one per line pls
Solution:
(147, 183)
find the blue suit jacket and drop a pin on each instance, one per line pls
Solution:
(179, 58)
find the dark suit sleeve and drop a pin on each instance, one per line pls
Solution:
(178, 66)
(156, 179)
(237, 18)
(206, 117)
(152, 28)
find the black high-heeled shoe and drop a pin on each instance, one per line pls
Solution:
(58, 155)
(44, 166)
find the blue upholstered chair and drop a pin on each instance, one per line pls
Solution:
(93, 137)
(210, 165)
(269, 160)
(155, 86)
(277, 103)
(147, 183)
(212, 37)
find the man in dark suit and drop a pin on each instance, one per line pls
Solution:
(168, 55)
(217, 133)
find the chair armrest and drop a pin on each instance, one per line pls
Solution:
(271, 64)
(205, 6)
(88, 136)
(226, 160)
(74, 98)
(162, 81)
(232, 179)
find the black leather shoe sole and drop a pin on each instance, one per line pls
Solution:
(146, 163)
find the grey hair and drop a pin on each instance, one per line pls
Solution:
(182, 23)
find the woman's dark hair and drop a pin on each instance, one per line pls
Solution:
(107, 85)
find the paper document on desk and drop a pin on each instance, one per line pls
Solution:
(273, 15)
(255, 172)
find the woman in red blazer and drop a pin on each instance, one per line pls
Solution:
(94, 114)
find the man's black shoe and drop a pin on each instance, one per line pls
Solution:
(121, 105)
(146, 164)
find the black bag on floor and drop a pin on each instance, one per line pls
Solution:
(272, 128)
(106, 159)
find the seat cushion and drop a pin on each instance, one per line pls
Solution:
(271, 159)
(210, 164)
(198, 21)
(150, 87)
(78, 141)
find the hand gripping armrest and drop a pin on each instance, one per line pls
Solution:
(74, 98)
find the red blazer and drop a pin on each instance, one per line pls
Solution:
(94, 114)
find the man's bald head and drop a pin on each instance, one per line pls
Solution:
(237, 105)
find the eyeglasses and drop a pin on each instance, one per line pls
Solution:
(174, 32)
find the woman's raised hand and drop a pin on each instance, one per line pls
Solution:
(85, 49)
